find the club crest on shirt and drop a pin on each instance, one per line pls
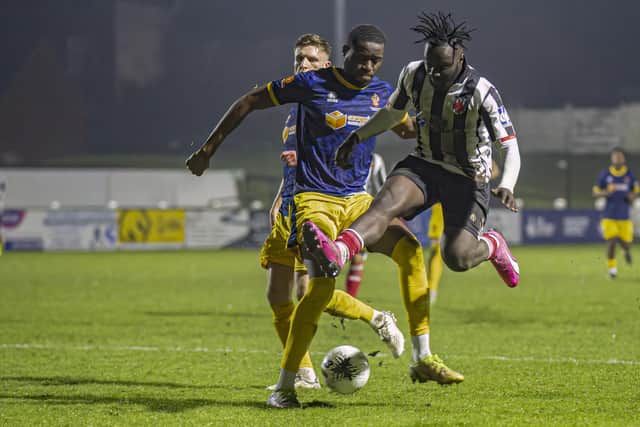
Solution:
(375, 100)
(460, 105)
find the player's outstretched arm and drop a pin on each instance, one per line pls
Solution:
(504, 191)
(385, 119)
(406, 129)
(257, 99)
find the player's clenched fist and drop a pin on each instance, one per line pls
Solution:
(343, 155)
(198, 162)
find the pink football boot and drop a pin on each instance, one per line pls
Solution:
(502, 260)
(322, 249)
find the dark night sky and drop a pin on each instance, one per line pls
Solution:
(540, 54)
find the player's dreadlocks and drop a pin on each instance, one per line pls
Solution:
(438, 28)
(366, 33)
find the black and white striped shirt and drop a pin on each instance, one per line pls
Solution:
(456, 126)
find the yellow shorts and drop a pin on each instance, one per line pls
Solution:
(274, 249)
(331, 214)
(612, 228)
(436, 223)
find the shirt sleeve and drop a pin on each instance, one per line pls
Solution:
(289, 132)
(295, 88)
(601, 183)
(399, 99)
(496, 118)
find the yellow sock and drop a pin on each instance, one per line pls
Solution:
(344, 305)
(413, 283)
(612, 263)
(305, 321)
(435, 267)
(282, 320)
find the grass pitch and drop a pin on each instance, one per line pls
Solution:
(186, 338)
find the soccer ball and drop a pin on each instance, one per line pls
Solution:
(345, 369)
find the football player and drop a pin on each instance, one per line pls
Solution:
(618, 184)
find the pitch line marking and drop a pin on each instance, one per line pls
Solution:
(35, 346)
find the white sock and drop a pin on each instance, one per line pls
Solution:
(377, 316)
(490, 244)
(433, 296)
(308, 374)
(420, 346)
(344, 252)
(287, 380)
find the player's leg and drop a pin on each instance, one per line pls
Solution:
(406, 251)
(626, 237)
(398, 196)
(434, 262)
(610, 233)
(354, 277)
(301, 279)
(324, 211)
(279, 262)
(346, 306)
(465, 205)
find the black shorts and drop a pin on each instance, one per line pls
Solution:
(465, 202)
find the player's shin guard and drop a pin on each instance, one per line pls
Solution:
(282, 320)
(407, 254)
(344, 305)
(305, 321)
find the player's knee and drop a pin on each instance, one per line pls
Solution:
(456, 259)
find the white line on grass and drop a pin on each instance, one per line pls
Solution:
(245, 350)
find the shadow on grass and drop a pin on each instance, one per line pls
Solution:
(169, 405)
(233, 314)
(151, 403)
(487, 314)
(62, 381)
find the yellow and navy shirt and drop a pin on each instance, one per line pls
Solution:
(288, 172)
(619, 183)
(329, 109)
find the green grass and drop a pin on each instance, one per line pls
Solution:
(186, 339)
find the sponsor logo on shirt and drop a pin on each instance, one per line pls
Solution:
(338, 120)
(335, 119)
(503, 116)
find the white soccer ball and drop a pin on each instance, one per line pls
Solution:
(345, 369)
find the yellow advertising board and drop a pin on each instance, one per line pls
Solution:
(151, 226)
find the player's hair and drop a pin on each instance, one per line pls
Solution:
(366, 33)
(313, 40)
(438, 28)
(617, 150)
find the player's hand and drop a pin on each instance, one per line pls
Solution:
(506, 198)
(290, 157)
(343, 155)
(198, 162)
